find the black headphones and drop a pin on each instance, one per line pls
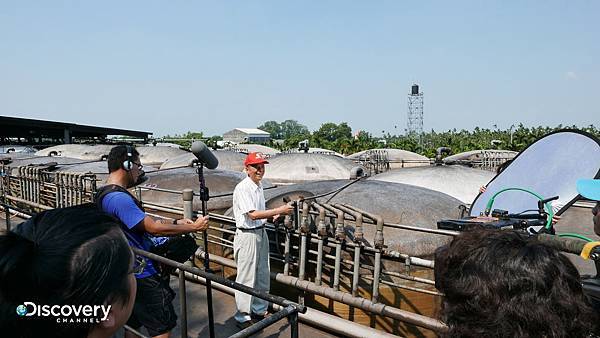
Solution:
(128, 163)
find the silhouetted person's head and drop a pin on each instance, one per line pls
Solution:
(73, 257)
(500, 283)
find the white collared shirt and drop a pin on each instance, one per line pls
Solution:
(247, 197)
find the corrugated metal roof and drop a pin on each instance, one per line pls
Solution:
(252, 131)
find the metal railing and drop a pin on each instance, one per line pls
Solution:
(290, 310)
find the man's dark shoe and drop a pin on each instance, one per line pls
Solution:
(258, 318)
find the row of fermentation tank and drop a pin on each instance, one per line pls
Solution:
(412, 190)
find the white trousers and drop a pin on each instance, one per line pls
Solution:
(251, 253)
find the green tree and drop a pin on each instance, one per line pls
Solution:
(273, 128)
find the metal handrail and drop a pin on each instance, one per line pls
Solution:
(290, 311)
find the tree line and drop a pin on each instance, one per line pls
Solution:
(340, 138)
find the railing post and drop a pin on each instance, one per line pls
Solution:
(183, 304)
(188, 203)
(294, 324)
(7, 215)
(138, 193)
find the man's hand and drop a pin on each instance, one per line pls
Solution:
(200, 224)
(285, 209)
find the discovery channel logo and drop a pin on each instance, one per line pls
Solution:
(66, 313)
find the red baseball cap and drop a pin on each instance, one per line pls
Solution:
(255, 158)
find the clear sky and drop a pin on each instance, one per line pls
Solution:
(173, 66)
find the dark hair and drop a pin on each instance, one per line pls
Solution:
(70, 256)
(118, 155)
(503, 284)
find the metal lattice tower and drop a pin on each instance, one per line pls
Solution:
(415, 114)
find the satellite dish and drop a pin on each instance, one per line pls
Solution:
(549, 167)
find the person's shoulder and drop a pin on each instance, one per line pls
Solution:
(243, 184)
(117, 198)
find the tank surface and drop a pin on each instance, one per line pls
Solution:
(457, 181)
(29, 159)
(218, 182)
(395, 202)
(475, 155)
(81, 151)
(398, 158)
(319, 151)
(249, 148)
(301, 167)
(156, 156)
(228, 160)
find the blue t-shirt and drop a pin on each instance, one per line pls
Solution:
(123, 207)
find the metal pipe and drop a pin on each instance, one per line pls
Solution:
(7, 215)
(286, 249)
(221, 280)
(364, 304)
(343, 297)
(272, 319)
(304, 230)
(183, 304)
(358, 237)
(378, 242)
(138, 193)
(316, 318)
(340, 236)
(322, 231)
(36, 205)
(188, 196)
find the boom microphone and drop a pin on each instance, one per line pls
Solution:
(204, 155)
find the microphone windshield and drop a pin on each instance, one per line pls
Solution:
(204, 155)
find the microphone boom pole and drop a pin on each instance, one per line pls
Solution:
(204, 196)
(205, 158)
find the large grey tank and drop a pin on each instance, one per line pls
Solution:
(479, 155)
(17, 160)
(156, 156)
(218, 182)
(396, 203)
(318, 151)
(301, 167)
(86, 152)
(100, 169)
(398, 158)
(250, 148)
(457, 181)
(228, 160)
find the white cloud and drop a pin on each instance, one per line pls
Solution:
(570, 75)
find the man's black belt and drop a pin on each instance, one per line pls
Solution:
(251, 229)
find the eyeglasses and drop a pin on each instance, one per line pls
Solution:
(138, 265)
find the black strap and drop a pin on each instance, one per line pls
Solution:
(110, 188)
(250, 229)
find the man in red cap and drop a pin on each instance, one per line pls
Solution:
(251, 243)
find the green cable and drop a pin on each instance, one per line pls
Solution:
(488, 207)
(575, 236)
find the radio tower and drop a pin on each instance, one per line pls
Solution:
(415, 114)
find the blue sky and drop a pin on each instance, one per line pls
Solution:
(173, 66)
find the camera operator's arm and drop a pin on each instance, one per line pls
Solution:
(165, 227)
